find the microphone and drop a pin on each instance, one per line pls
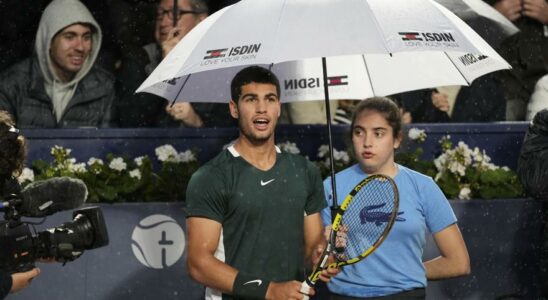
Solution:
(46, 197)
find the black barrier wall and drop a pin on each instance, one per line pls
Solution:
(146, 260)
(502, 141)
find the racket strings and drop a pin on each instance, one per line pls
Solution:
(366, 218)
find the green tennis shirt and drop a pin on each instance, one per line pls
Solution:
(261, 212)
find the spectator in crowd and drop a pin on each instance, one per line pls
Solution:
(60, 86)
(237, 246)
(308, 112)
(146, 110)
(396, 270)
(12, 157)
(482, 101)
(526, 51)
(533, 173)
(344, 111)
(539, 98)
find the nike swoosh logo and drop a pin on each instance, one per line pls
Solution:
(257, 281)
(263, 183)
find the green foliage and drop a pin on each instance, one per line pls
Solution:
(465, 173)
(120, 179)
(460, 172)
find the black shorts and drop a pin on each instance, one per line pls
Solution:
(414, 294)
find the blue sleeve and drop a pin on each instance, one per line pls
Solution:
(326, 212)
(437, 210)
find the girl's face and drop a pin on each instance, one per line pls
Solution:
(374, 143)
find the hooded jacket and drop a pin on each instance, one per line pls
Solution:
(37, 98)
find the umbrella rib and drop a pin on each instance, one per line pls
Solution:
(181, 89)
(276, 32)
(454, 65)
(369, 75)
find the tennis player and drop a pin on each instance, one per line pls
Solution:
(253, 212)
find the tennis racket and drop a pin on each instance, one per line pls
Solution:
(361, 224)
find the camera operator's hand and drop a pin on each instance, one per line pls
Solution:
(22, 280)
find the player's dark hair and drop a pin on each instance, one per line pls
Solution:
(252, 74)
(384, 106)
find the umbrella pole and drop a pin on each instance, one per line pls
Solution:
(335, 205)
(175, 12)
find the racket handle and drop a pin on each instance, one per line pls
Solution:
(305, 289)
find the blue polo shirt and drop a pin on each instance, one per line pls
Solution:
(396, 265)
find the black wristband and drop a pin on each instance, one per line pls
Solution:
(247, 286)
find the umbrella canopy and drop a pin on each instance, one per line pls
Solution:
(399, 45)
(483, 18)
(395, 46)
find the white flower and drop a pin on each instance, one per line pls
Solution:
(139, 160)
(289, 147)
(136, 173)
(77, 168)
(416, 134)
(166, 153)
(118, 164)
(323, 151)
(465, 193)
(456, 168)
(341, 155)
(505, 168)
(60, 148)
(94, 160)
(186, 156)
(441, 162)
(26, 175)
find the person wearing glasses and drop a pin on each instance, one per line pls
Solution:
(60, 85)
(146, 110)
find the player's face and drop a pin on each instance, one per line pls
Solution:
(164, 19)
(374, 142)
(257, 111)
(69, 50)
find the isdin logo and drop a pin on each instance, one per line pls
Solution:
(158, 241)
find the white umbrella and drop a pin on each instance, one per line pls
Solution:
(349, 77)
(272, 31)
(401, 45)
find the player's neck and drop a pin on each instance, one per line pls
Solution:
(262, 156)
(390, 169)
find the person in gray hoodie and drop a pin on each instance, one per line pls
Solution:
(60, 86)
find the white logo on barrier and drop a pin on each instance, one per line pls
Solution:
(158, 241)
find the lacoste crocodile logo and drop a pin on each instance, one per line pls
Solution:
(378, 217)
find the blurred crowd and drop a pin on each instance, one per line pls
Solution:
(66, 64)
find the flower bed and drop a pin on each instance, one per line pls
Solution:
(461, 172)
